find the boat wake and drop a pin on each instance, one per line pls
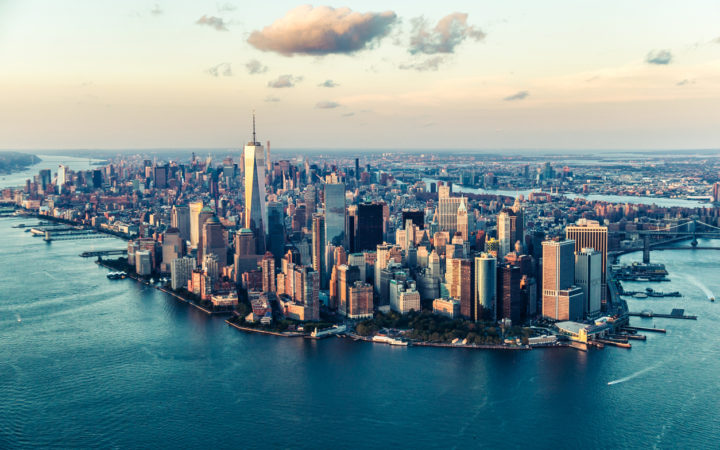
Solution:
(635, 375)
(702, 287)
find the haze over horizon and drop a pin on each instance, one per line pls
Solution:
(456, 75)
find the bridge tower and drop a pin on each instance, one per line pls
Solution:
(646, 248)
(694, 241)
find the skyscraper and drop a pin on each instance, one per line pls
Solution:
(318, 249)
(195, 208)
(485, 287)
(507, 230)
(214, 241)
(509, 299)
(447, 213)
(561, 299)
(61, 178)
(588, 276)
(463, 221)
(268, 272)
(335, 213)
(255, 208)
(368, 226)
(181, 220)
(276, 227)
(590, 234)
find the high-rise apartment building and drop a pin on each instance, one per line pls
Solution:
(268, 272)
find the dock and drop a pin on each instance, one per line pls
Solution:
(654, 330)
(614, 343)
(674, 314)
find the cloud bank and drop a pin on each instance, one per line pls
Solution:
(659, 57)
(284, 81)
(320, 31)
(448, 33)
(215, 22)
(328, 84)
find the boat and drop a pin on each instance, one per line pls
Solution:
(640, 295)
(712, 299)
(116, 275)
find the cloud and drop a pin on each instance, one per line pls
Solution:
(684, 82)
(716, 40)
(429, 64)
(350, 114)
(659, 57)
(327, 105)
(520, 95)
(328, 84)
(226, 7)
(284, 81)
(156, 11)
(216, 22)
(320, 31)
(254, 67)
(222, 69)
(449, 32)
(271, 99)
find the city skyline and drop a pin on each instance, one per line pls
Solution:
(452, 76)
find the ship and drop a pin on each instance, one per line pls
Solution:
(712, 298)
(116, 275)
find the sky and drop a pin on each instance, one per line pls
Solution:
(102, 74)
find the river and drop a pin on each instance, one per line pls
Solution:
(90, 362)
(48, 162)
(633, 199)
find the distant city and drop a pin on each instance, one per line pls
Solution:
(397, 248)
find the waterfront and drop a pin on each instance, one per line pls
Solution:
(48, 162)
(95, 362)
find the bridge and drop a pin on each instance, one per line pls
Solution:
(74, 234)
(101, 253)
(692, 229)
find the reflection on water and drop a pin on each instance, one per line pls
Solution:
(96, 362)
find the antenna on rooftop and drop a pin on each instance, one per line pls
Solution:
(254, 140)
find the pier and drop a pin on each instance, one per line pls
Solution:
(654, 330)
(675, 314)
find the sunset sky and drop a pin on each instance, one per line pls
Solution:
(360, 74)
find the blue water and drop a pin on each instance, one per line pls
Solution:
(100, 363)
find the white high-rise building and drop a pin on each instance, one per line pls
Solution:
(505, 234)
(181, 271)
(195, 208)
(61, 177)
(255, 207)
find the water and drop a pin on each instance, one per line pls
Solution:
(48, 162)
(100, 363)
(622, 199)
